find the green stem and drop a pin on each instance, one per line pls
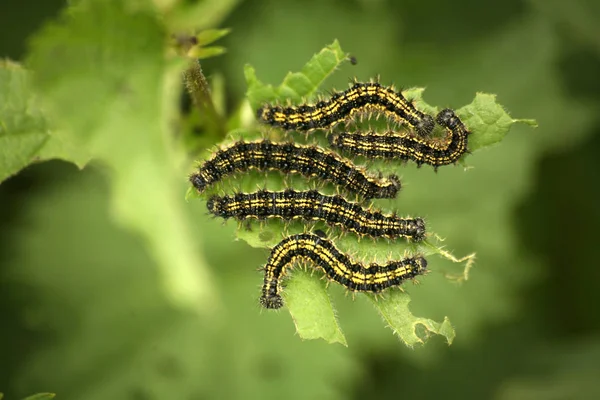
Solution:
(199, 90)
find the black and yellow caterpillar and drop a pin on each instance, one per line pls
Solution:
(337, 266)
(310, 205)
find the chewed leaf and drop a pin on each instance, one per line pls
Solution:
(393, 307)
(309, 304)
(266, 236)
(416, 96)
(296, 85)
(307, 292)
(488, 121)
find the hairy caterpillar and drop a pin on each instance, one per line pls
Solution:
(342, 106)
(312, 205)
(306, 160)
(337, 266)
(406, 147)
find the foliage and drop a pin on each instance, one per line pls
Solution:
(105, 122)
(488, 122)
(167, 307)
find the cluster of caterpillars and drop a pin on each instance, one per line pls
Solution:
(415, 144)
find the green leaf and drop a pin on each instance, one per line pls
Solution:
(209, 36)
(311, 308)
(195, 46)
(59, 147)
(18, 151)
(488, 121)
(25, 135)
(297, 85)
(393, 307)
(106, 61)
(206, 52)
(41, 396)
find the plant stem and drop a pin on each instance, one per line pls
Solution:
(198, 89)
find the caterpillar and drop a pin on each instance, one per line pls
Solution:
(407, 147)
(312, 205)
(309, 161)
(337, 266)
(342, 106)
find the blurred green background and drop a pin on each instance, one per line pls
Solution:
(83, 313)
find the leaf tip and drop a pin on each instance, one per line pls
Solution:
(250, 74)
(341, 339)
(447, 330)
(530, 122)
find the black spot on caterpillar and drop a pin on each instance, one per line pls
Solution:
(337, 266)
(407, 147)
(312, 205)
(358, 99)
(309, 161)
